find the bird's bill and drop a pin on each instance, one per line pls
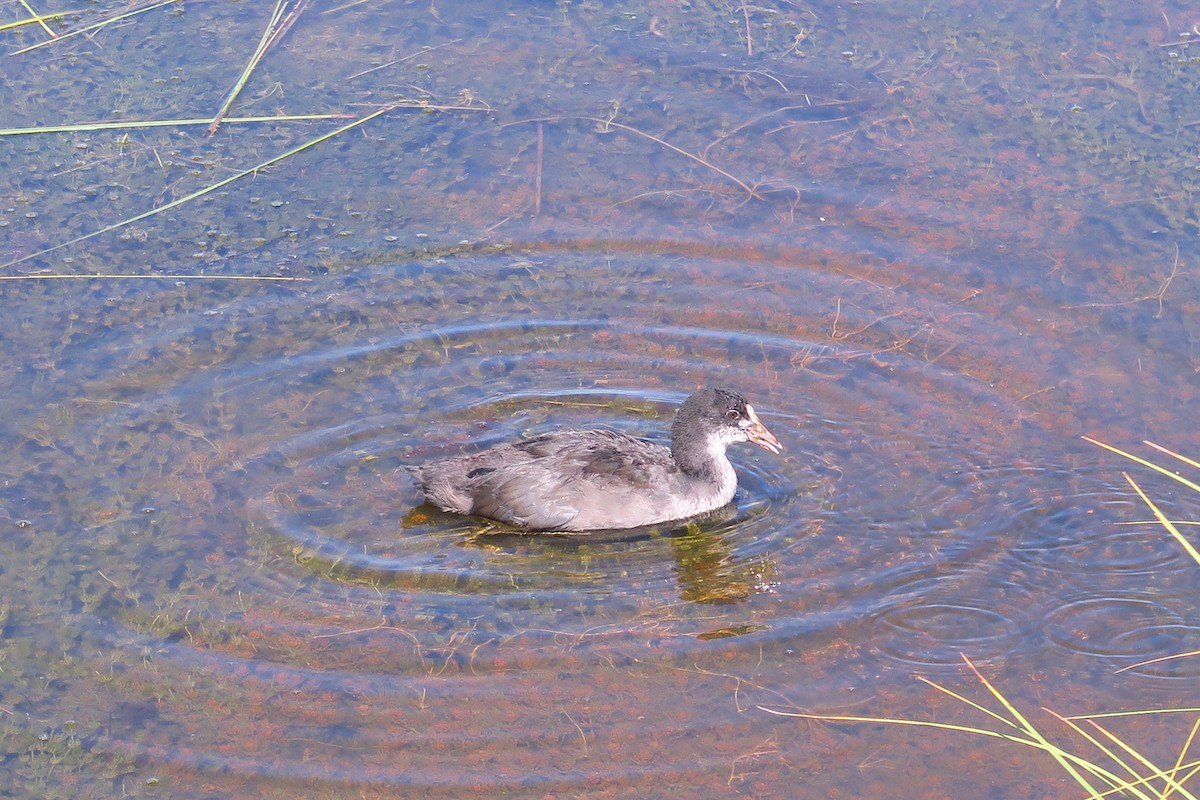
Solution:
(759, 434)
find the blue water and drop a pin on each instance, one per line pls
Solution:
(934, 246)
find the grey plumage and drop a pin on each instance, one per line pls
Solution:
(578, 480)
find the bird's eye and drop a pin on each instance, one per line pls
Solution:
(733, 415)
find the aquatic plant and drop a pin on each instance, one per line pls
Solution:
(1103, 763)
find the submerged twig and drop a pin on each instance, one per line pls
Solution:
(749, 39)
(751, 191)
(781, 110)
(1159, 295)
(609, 123)
(537, 179)
(425, 49)
(1123, 83)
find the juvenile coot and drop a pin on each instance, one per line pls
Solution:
(598, 480)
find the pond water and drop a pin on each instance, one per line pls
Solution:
(934, 244)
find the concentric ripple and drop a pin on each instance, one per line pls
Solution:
(269, 559)
(1131, 631)
(937, 619)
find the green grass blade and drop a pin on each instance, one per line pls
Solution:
(1032, 731)
(94, 26)
(968, 701)
(915, 723)
(255, 58)
(1099, 745)
(1190, 484)
(25, 5)
(1172, 784)
(1136, 713)
(119, 277)
(1166, 523)
(1193, 770)
(1159, 660)
(1173, 454)
(39, 19)
(1187, 745)
(86, 127)
(208, 189)
(1043, 745)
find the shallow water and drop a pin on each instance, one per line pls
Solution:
(926, 268)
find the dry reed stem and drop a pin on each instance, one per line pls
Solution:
(752, 192)
(609, 123)
(782, 109)
(275, 30)
(749, 40)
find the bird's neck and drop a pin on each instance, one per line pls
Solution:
(703, 458)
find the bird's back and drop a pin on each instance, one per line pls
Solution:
(565, 480)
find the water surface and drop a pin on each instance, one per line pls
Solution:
(933, 245)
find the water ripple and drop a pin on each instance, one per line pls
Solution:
(1124, 628)
(288, 570)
